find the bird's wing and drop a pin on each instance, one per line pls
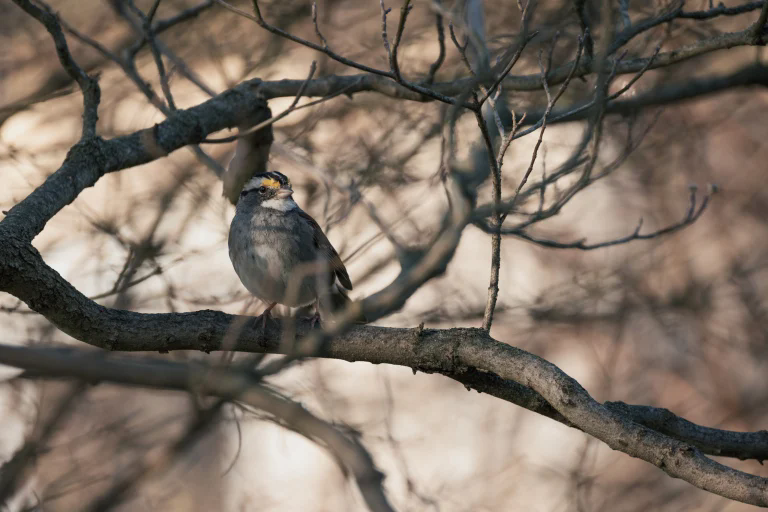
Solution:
(324, 246)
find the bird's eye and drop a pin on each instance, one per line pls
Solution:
(262, 189)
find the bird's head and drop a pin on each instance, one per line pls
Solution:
(268, 190)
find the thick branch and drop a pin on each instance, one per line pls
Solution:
(752, 75)
(90, 159)
(467, 355)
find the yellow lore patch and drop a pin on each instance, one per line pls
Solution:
(269, 182)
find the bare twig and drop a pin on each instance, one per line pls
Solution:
(129, 68)
(513, 60)
(462, 48)
(13, 472)
(759, 26)
(292, 107)
(509, 137)
(185, 15)
(404, 10)
(154, 463)
(259, 19)
(692, 215)
(580, 7)
(88, 85)
(550, 104)
(626, 21)
(496, 221)
(135, 18)
(149, 36)
(317, 27)
(440, 27)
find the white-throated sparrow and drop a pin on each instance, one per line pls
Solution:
(280, 253)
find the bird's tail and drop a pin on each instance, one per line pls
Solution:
(337, 301)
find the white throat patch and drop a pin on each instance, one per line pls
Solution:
(281, 205)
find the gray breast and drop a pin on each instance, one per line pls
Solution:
(275, 257)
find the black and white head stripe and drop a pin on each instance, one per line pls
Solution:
(272, 179)
(280, 177)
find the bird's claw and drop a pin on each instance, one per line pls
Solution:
(314, 320)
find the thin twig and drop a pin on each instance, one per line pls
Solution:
(757, 30)
(13, 472)
(259, 19)
(404, 11)
(692, 215)
(440, 27)
(524, 40)
(89, 86)
(317, 27)
(496, 220)
(292, 107)
(550, 104)
(507, 139)
(186, 14)
(149, 36)
(462, 48)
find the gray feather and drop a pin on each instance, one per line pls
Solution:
(277, 256)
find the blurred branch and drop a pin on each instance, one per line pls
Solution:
(181, 17)
(89, 86)
(15, 470)
(691, 216)
(142, 27)
(225, 383)
(581, 11)
(663, 59)
(154, 463)
(259, 19)
(759, 26)
(128, 65)
(440, 27)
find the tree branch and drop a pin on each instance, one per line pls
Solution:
(225, 383)
(88, 85)
(90, 159)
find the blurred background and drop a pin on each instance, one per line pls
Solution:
(677, 321)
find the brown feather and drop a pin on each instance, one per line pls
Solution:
(324, 245)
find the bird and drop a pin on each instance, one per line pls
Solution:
(280, 253)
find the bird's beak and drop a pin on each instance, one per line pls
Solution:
(284, 193)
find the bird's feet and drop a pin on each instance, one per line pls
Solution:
(314, 320)
(266, 315)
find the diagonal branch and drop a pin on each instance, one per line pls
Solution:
(90, 159)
